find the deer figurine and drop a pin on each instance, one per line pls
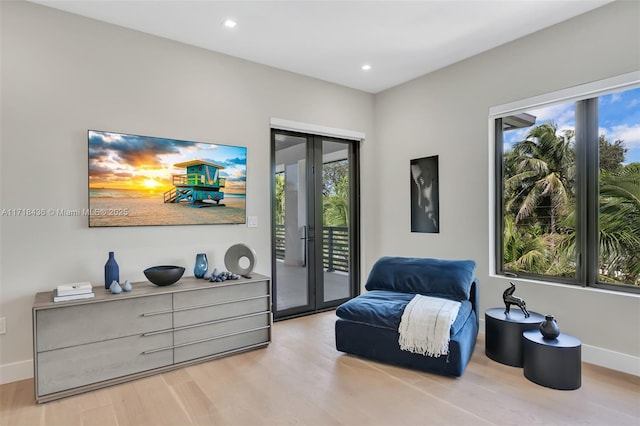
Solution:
(510, 299)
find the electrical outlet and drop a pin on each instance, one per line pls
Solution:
(252, 221)
(3, 325)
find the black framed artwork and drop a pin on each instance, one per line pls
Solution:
(425, 197)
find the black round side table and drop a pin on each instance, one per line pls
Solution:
(503, 334)
(554, 363)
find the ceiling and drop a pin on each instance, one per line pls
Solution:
(332, 40)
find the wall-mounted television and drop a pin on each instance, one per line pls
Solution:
(144, 180)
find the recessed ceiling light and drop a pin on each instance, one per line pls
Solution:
(230, 23)
(366, 67)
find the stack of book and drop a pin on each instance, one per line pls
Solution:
(73, 291)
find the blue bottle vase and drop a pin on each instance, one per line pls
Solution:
(111, 271)
(202, 265)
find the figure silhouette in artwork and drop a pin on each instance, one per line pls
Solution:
(424, 195)
(510, 299)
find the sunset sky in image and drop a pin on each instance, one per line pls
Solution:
(131, 162)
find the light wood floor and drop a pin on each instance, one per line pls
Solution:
(300, 379)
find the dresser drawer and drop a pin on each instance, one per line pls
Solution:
(220, 345)
(220, 328)
(85, 323)
(192, 316)
(223, 293)
(68, 368)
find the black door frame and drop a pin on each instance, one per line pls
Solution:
(314, 251)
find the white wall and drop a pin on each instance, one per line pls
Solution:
(63, 74)
(445, 113)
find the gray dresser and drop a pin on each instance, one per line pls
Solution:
(113, 338)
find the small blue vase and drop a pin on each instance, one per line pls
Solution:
(115, 287)
(201, 265)
(111, 271)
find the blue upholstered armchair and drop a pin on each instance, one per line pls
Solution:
(368, 325)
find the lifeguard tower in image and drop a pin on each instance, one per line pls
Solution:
(199, 187)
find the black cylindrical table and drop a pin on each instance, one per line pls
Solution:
(503, 334)
(554, 363)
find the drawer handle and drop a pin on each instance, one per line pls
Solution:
(219, 321)
(220, 303)
(152, 314)
(152, 351)
(194, 342)
(153, 333)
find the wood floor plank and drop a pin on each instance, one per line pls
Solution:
(99, 416)
(158, 403)
(127, 401)
(17, 405)
(300, 379)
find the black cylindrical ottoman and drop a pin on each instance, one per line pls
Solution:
(554, 363)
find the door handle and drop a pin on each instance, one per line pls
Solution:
(305, 234)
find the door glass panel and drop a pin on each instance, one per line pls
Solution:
(335, 220)
(291, 222)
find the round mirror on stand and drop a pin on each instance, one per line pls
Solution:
(237, 257)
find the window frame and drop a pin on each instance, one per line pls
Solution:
(587, 176)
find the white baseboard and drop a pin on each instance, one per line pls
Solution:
(16, 371)
(603, 357)
(610, 359)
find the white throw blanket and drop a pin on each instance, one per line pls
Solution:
(425, 325)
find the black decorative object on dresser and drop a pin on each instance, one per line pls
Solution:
(164, 274)
(503, 334)
(89, 344)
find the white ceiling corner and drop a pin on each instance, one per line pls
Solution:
(331, 40)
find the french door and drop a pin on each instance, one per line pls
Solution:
(315, 243)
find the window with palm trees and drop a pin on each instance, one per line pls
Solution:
(569, 175)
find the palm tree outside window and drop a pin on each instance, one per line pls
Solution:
(569, 179)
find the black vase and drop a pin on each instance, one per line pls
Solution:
(549, 328)
(111, 271)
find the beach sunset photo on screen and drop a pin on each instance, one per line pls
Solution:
(144, 181)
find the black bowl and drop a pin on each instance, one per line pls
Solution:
(164, 275)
